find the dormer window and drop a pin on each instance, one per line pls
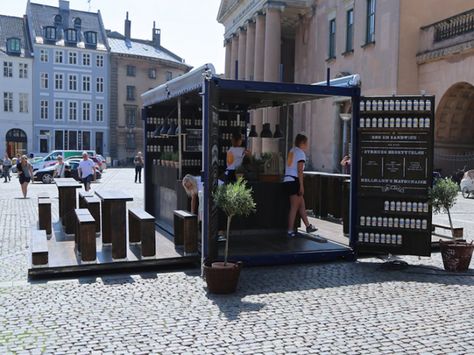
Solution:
(50, 33)
(13, 46)
(70, 35)
(77, 23)
(91, 38)
(58, 20)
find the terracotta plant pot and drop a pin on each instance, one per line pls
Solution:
(222, 279)
(456, 255)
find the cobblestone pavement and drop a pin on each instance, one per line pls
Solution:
(327, 308)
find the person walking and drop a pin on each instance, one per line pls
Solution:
(86, 171)
(25, 173)
(59, 168)
(138, 161)
(7, 165)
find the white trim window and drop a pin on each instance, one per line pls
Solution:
(99, 84)
(7, 102)
(7, 69)
(99, 61)
(99, 112)
(44, 80)
(72, 80)
(58, 110)
(58, 81)
(86, 83)
(23, 70)
(86, 111)
(72, 115)
(44, 105)
(44, 57)
(86, 59)
(72, 58)
(59, 57)
(24, 102)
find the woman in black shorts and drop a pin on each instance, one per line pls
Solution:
(25, 174)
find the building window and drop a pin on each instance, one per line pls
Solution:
(131, 70)
(58, 20)
(100, 60)
(86, 140)
(71, 139)
(44, 109)
(91, 37)
(13, 46)
(99, 112)
(44, 81)
(44, 55)
(72, 58)
(100, 84)
(58, 57)
(86, 111)
(72, 111)
(86, 83)
(169, 76)
(370, 32)
(77, 23)
(332, 39)
(23, 72)
(72, 82)
(58, 140)
(131, 144)
(131, 116)
(350, 30)
(58, 110)
(130, 93)
(86, 59)
(8, 69)
(70, 35)
(152, 73)
(8, 102)
(58, 81)
(24, 103)
(50, 33)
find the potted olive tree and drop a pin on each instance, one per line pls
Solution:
(456, 254)
(235, 200)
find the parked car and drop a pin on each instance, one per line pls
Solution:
(97, 161)
(52, 157)
(45, 175)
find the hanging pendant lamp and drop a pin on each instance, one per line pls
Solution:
(266, 132)
(253, 132)
(278, 133)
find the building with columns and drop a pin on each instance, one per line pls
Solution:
(387, 42)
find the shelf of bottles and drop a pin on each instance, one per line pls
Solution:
(228, 124)
(395, 172)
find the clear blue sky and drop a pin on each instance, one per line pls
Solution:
(188, 27)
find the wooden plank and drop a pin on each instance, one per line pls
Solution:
(113, 195)
(39, 247)
(93, 205)
(140, 214)
(44, 215)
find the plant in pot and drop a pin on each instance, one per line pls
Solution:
(235, 200)
(456, 254)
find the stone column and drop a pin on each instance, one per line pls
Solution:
(272, 58)
(250, 51)
(242, 51)
(258, 75)
(228, 51)
(234, 55)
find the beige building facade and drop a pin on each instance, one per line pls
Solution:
(387, 42)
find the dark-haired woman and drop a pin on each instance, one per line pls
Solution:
(293, 181)
(234, 157)
(25, 174)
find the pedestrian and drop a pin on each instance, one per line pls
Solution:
(346, 164)
(25, 173)
(86, 171)
(293, 182)
(234, 157)
(7, 165)
(59, 168)
(138, 161)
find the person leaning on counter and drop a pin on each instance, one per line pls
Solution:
(293, 182)
(234, 157)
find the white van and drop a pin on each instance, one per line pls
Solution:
(52, 157)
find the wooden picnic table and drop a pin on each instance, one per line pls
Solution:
(67, 202)
(114, 214)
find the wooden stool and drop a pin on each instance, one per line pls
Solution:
(82, 198)
(141, 229)
(44, 214)
(85, 233)
(186, 231)
(43, 195)
(39, 247)
(92, 203)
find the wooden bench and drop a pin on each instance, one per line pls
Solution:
(44, 215)
(92, 203)
(82, 198)
(141, 229)
(457, 232)
(186, 231)
(85, 234)
(39, 247)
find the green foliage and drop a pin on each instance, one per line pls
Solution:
(443, 195)
(235, 199)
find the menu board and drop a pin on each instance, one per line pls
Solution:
(395, 173)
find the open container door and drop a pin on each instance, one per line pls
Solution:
(394, 157)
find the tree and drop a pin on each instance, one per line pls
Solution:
(443, 197)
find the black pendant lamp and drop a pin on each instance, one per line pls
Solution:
(266, 132)
(253, 132)
(278, 133)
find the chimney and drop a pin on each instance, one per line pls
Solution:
(156, 36)
(128, 27)
(64, 5)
